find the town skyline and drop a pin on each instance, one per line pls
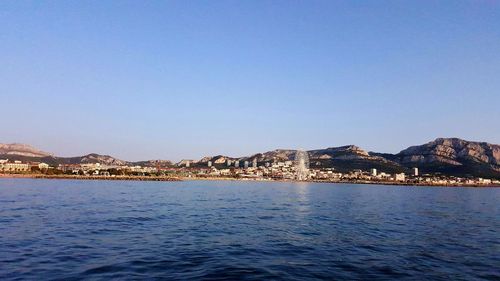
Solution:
(444, 161)
(442, 156)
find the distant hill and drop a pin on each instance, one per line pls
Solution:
(342, 159)
(350, 157)
(27, 153)
(22, 150)
(453, 156)
(449, 156)
(93, 158)
(153, 163)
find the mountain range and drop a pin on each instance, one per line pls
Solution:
(447, 156)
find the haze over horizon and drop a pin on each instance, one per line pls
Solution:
(176, 79)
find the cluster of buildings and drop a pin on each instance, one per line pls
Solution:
(248, 169)
(288, 170)
(276, 170)
(7, 166)
(104, 170)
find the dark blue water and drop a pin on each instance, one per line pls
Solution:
(100, 230)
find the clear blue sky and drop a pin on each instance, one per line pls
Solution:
(185, 79)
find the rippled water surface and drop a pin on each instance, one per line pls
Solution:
(100, 230)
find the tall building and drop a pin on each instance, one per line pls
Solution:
(237, 164)
(415, 172)
(229, 162)
(209, 163)
(373, 172)
(254, 163)
(246, 164)
(187, 164)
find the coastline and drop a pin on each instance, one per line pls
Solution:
(77, 177)
(164, 178)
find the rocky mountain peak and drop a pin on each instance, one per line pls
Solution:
(102, 159)
(22, 150)
(452, 151)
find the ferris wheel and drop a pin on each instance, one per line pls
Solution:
(301, 163)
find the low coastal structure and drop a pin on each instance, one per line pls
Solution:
(13, 166)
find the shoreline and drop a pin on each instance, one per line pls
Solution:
(164, 178)
(96, 177)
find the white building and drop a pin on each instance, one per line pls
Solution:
(384, 175)
(209, 163)
(484, 181)
(91, 166)
(225, 172)
(415, 172)
(17, 166)
(43, 166)
(373, 172)
(399, 177)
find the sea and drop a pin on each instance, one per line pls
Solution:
(246, 230)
